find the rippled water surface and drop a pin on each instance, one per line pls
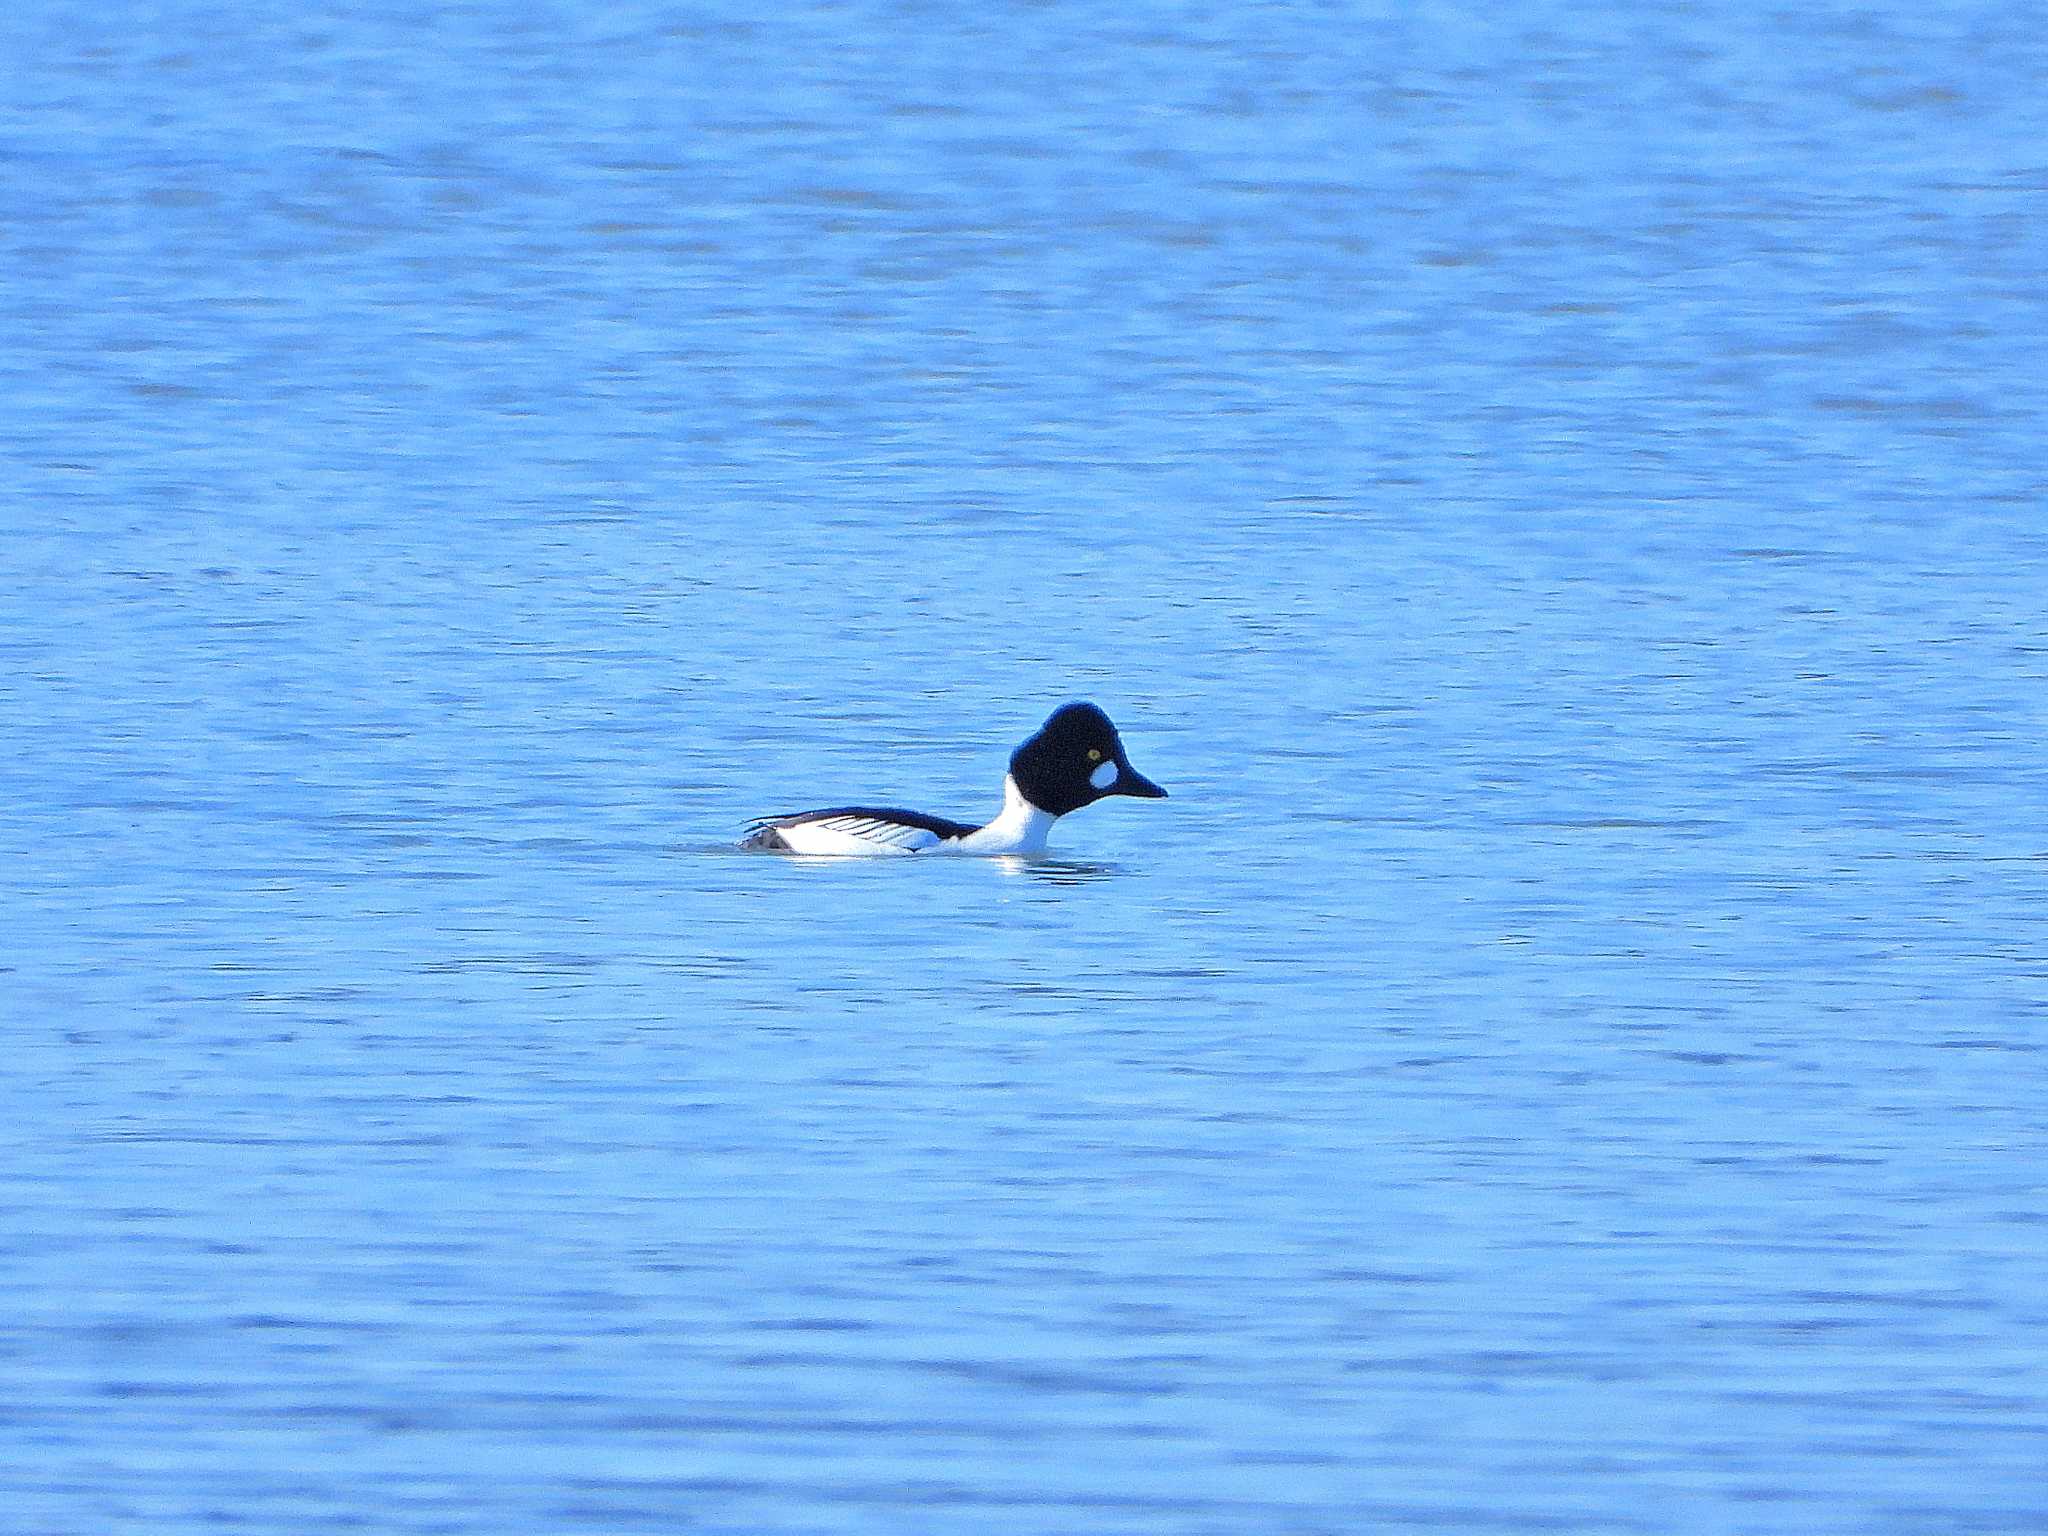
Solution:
(1557, 494)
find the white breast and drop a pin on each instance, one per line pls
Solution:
(1021, 828)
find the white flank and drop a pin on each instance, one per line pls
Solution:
(855, 837)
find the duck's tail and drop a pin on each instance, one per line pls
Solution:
(763, 837)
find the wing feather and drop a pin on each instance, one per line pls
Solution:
(853, 829)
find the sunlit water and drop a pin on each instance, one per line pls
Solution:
(1556, 495)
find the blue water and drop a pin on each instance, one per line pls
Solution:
(1558, 496)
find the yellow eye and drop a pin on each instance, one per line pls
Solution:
(1094, 754)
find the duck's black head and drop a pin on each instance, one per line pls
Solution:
(1076, 759)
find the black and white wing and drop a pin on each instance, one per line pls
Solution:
(853, 829)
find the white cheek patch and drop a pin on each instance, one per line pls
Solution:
(1103, 776)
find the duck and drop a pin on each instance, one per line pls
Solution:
(1075, 759)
